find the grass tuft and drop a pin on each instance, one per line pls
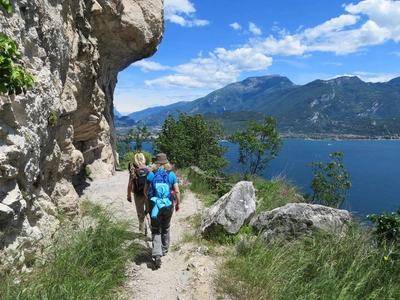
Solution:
(317, 267)
(84, 263)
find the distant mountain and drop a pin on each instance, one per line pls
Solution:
(341, 105)
(395, 81)
(247, 95)
(117, 114)
(124, 121)
(144, 114)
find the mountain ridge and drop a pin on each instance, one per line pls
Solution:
(340, 105)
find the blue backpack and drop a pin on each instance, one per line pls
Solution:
(160, 191)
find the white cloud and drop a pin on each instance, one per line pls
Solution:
(375, 77)
(235, 26)
(368, 23)
(289, 45)
(220, 68)
(182, 12)
(244, 59)
(254, 29)
(179, 6)
(341, 35)
(329, 27)
(385, 14)
(147, 65)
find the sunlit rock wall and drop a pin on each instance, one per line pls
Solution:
(64, 124)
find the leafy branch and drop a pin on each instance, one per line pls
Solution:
(13, 79)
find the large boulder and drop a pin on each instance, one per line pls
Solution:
(231, 211)
(296, 220)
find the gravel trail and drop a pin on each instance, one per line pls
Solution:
(186, 273)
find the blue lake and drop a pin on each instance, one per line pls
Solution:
(373, 167)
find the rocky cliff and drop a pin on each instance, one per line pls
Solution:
(63, 126)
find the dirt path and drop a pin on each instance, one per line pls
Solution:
(186, 273)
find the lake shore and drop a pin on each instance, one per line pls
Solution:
(329, 136)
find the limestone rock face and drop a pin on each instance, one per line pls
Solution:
(64, 124)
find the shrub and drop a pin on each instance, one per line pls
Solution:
(330, 182)
(387, 227)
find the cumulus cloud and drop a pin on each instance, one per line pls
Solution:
(368, 23)
(235, 26)
(254, 29)
(347, 33)
(221, 67)
(244, 59)
(385, 14)
(182, 12)
(146, 65)
(289, 45)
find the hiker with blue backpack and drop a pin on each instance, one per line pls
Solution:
(138, 172)
(163, 194)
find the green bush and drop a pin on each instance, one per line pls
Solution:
(387, 227)
(222, 188)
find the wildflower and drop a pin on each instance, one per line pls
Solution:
(385, 257)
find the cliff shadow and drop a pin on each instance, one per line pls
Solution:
(80, 183)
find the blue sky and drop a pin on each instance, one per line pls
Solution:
(209, 44)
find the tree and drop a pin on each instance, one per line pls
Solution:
(258, 144)
(191, 141)
(140, 135)
(330, 182)
(13, 79)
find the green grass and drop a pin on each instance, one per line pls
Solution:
(273, 194)
(318, 267)
(84, 263)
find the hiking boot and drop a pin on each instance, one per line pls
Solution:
(158, 261)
